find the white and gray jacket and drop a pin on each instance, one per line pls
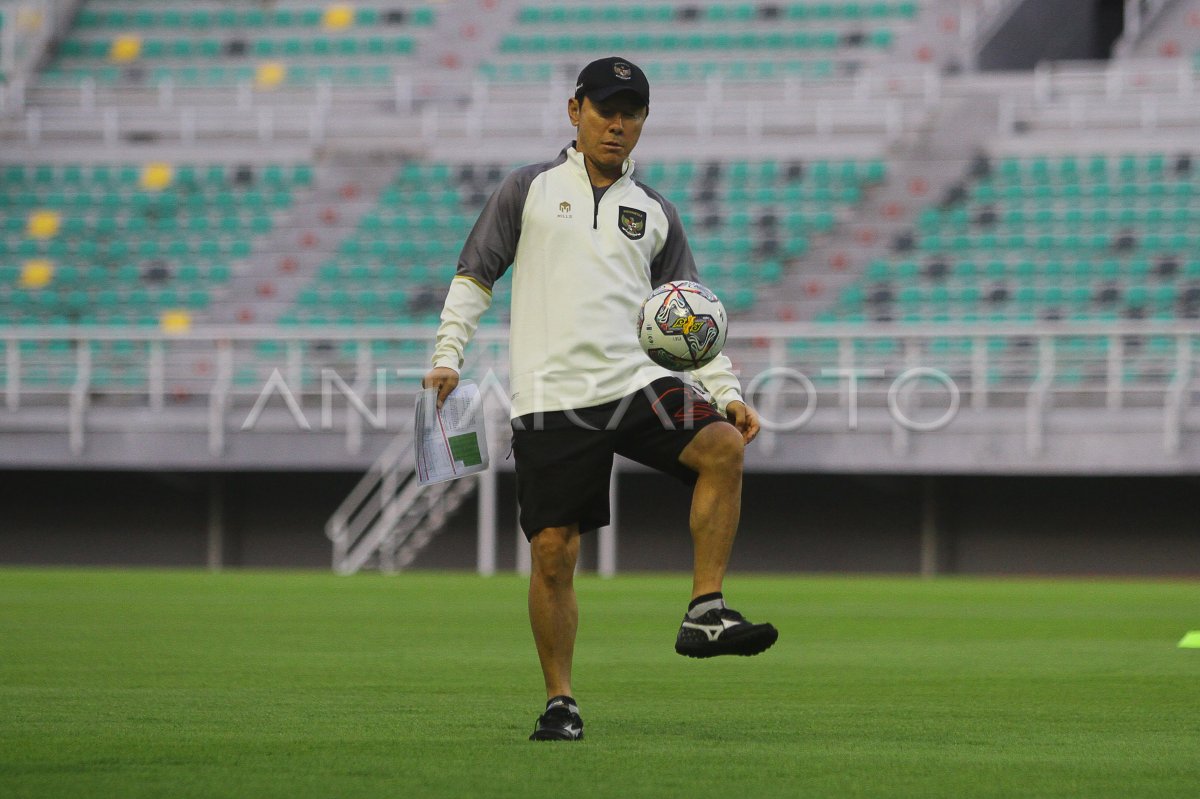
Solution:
(581, 269)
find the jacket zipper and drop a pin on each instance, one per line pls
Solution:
(596, 210)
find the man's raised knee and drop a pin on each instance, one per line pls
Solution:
(728, 447)
(718, 447)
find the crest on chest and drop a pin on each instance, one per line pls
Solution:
(632, 222)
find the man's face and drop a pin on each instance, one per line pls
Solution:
(608, 130)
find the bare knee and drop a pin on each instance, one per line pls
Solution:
(717, 448)
(554, 551)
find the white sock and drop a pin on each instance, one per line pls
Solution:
(699, 609)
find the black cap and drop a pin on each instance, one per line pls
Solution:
(605, 77)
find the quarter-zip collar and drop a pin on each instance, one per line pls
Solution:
(575, 158)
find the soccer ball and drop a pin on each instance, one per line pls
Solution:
(682, 325)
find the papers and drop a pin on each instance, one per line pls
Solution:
(450, 443)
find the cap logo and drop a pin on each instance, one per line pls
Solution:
(622, 70)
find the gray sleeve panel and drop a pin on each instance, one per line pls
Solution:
(675, 261)
(492, 243)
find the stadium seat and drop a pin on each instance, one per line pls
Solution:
(406, 246)
(151, 40)
(124, 254)
(693, 43)
(1011, 250)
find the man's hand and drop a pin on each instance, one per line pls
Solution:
(744, 418)
(444, 379)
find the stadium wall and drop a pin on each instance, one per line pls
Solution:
(1036, 32)
(791, 522)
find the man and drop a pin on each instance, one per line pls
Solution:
(581, 228)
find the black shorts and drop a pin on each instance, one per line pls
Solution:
(564, 458)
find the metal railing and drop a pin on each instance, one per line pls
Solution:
(405, 97)
(823, 117)
(1148, 112)
(215, 371)
(389, 517)
(1132, 95)
(404, 94)
(1138, 95)
(1054, 81)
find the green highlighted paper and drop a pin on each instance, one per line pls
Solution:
(465, 448)
(451, 442)
(1191, 640)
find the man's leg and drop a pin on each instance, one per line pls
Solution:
(710, 628)
(715, 454)
(553, 613)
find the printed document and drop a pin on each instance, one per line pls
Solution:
(452, 442)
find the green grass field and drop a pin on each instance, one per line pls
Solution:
(181, 684)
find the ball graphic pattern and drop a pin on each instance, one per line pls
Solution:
(682, 325)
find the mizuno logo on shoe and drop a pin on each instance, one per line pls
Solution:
(726, 632)
(713, 631)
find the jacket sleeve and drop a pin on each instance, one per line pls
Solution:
(720, 382)
(486, 256)
(465, 303)
(676, 262)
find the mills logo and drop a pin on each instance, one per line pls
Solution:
(564, 210)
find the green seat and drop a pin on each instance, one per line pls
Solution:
(882, 39)
(89, 18)
(154, 48)
(1165, 296)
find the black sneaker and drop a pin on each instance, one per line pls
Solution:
(723, 631)
(560, 722)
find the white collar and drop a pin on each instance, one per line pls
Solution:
(576, 157)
